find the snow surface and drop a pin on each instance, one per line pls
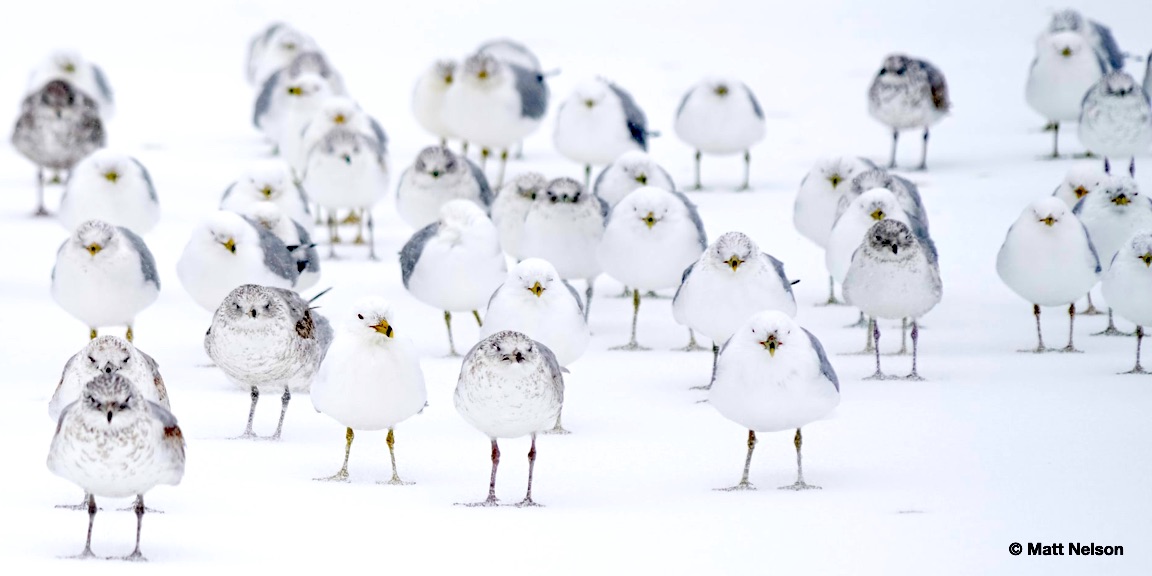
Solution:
(919, 477)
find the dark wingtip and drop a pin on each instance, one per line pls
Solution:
(322, 292)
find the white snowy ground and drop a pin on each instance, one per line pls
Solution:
(931, 477)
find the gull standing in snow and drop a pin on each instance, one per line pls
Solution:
(773, 375)
(267, 181)
(70, 66)
(495, 104)
(536, 302)
(267, 338)
(1098, 36)
(289, 102)
(853, 223)
(114, 443)
(336, 112)
(1112, 214)
(108, 355)
(631, 170)
(565, 227)
(348, 169)
(1116, 118)
(814, 211)
(275, 49)
(1128, 286)
(730, 282)
(58, 125)
(277, 90)
(907, 94)
(510, 386)
(894, 274)
(225, 251)
(370, 379)
(113, 187)
(428, 99)
(650, 238)
(720, 116)
(104, 276)
(1064, 69)
(455, 263)
(511, 206)
(295, 238)
(597, 123)
(437, 177)
(1049, 260)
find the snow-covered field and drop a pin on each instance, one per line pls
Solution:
(931, 477)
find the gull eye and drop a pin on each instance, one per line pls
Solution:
(126, 359)
(360, 316)
(91, 359)
(92, 400)
(237, 306)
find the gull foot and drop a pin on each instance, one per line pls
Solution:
(707, 386)
(85, 555)
(558, 430)
(1137, 370)
(864, 352)
(1070, 350)
(341, 476)
(351, 218)
(1037, 350)
(879, 376)
(630, 347)
(1091, 311)
(692, 348)
(527, 503)
(490, 502)
(914, 377)
(133, 557)
(133, 509)
(246, 436)
(799, 485)
(83, 506)
(359, 241)
(41, 212)
(1111, 331)
(831, 302)
(737, 488)
(395, 481)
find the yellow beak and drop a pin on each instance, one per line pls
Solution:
(111, 176)
(266, 191)
(771, 344)
(650, 220)
(295, 91)
(383, 328)
(230, 245)
(1080, 191)
(643, 178)
(1121, 201)
(835, 179)
(69, 67)
(1066, 52)
(448, 79)
(94, 248)
(1147, 258)
(734, 262)
(589, 103)
(482, 74)
(1048, 220)
(536, 289)
(877, 214)
(339, 119)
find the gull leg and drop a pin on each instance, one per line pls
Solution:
(255, 393)
(359, 222)
(627, 293)
(342, 475)
(333, 234)
(692, 346)
(895, 138)
(924, 152)
(1071, 323)
(520, 150)
(92, 334)
(319, 217)
(283, 410)
(860, 322)
(1138, 369)
(484, 153)
(451, 344)
(744, 485)
(503, 165)
(588, 298)
(463, 148)
(558, 429)
(697, 186)
(747, 170)
(870, 346)
(371, 234)
(876, 336)
(1055, 140)
(395, 481)
(443, 142)
(491, 500)
(40, 209)
(715, 357)
(587, 175)
(632, 344)
(915, 346)
(527, 501)
(87, 553)
(798, 441)
(1049, 127)
(1111, 329)
(832, 301)
(476, 315)
(136, 556)
(1040, 348)
(1091, 310)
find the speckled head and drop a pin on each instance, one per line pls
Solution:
(343, 144)
(528, 185)
(507, 347)
(58, 94)
(445, 70)
(268, 180)
(637, 165)
(107, 354)
(869, 179)
(311, 62)
(252, 305)
(877, 204)
(1120, 84)
(891, 240)
(95, 236)
(1066, 20)
(482, 68)
(733, 249)
(565, 190)
(307, 85)
(340, 110)
(1140, 246)
(110, 395)
(1121, 191)
(437, 162)
(895, 66)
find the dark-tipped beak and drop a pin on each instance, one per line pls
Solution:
(877, 214)
(536, 289)
(108, 368)
(895, 248)
(435, 173)
(1121, 200)
(589, 103)
(1066, 52)
(734, 262)
(384, 328)
(650, 220)
(339, 119)
(482, 74)
(230, 245)
(771, 344)
(347, 159)
(266, 191)
(721, 90)
(1147, 258)
(109, 416)
(1048, 221)
(111, 176)
(1080, 192)
(94, 248)
(643, 179)
(835, 179)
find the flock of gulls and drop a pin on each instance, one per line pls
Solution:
(508, 251)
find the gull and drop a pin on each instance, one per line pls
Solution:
(437, 177)
(295, 238)
(113, 187)
(720, 116)
(631, 170)
(1128, 283)
(597, 123)
(267, 181)
(1116, 118)
(428, 99)
(72, 67)
(348, 169)
(908, 93)
(511, 206)
(1064, 69)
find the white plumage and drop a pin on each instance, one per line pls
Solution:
(113, 187)
(277, 48)
(1116, 117)
(510, 209)
(565, 227)
(814, 212)
(107, 355)
(226, 251)
(1064, 70)
(1128, 285)
(485, 105)
(1113, 213)
(428, 98)
(1080, 181)
(597, 123)
(334, 112)
(267, 181)
(730, 282)
(848, 232)
(71, 66)
(651, 236)
(104, 276)
(631, 170)
(535, 301)
(437, 177)
(720, 116)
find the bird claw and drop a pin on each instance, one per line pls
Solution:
(879, 376)
(1037, 350)
(341, 476)
(1091, 311)
(490, 502)
(41, 212)
(630, 347)
(1111, 331)
(800, 485)
(558, 430)
(133, 557)
(395, 481)
(249, 435)
(1070, 350)
(832, 301)
(83, 506)
(707, 386)
(85, 555)
(527, 503)
(693, 347)
(1137, 370)
(133, 509)
(913, 377)
(741, 487)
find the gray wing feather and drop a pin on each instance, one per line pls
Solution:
(482, 181)
(147, 179)
(928, 245)
(938, 85)
(605, 209)
(311, 256)
(147, 262)
(381, 138)
(106, 88)
(637, 122)
(264, 99)
(303, 197)
(1079, 207)
(684, 280)
(410, 253)
(491, 298)
(825, 366)
(162, 414)
(755, 103)
(575, 295)
(533, 91)
(1108, 43)
(227, 192)
(913, 194)
(599, 179)
(668, 176)
(277, 258)
(1091, 246)
(684, 102)
(695, 216)
(553, 368)
(778, 266)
